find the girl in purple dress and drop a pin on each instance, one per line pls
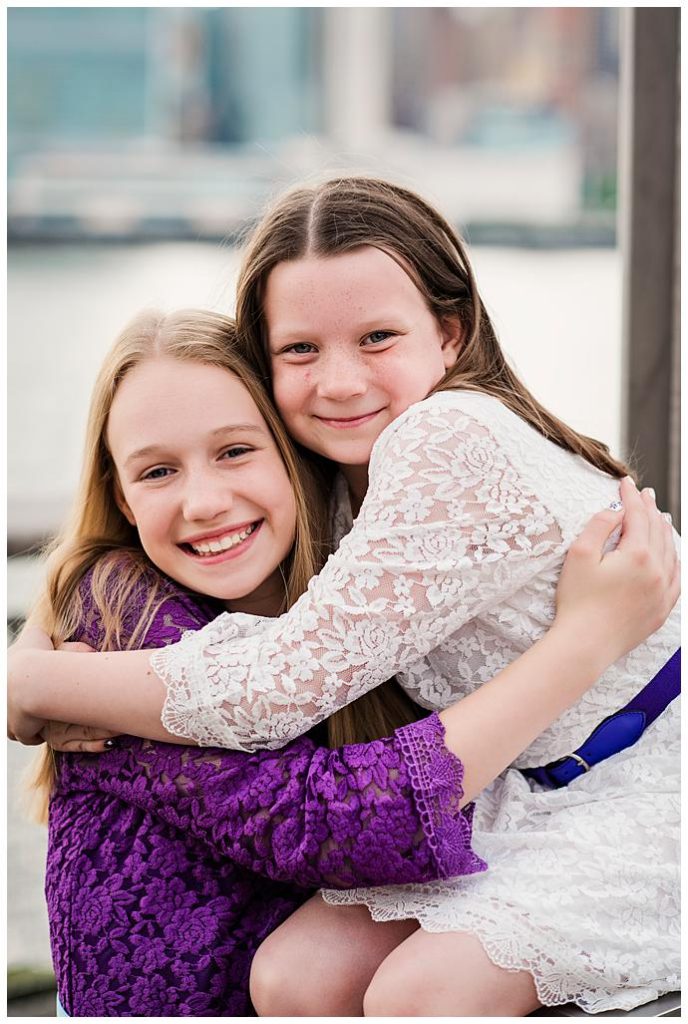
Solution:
(168, 865)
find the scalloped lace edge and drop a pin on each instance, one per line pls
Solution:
(448, 829)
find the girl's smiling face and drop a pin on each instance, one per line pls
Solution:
(352, 345)
(200, 476)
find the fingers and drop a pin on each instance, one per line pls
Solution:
(671, 558)
(635, 531)
(75, 647)
(672, 563)
(656, 534)
(82, 746)
(72, 739)
(591, 542)
(661, 537)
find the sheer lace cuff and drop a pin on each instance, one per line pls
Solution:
(194, 697)
(436, 777)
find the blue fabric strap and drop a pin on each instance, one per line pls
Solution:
(617, 732)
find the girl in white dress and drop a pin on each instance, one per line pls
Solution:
(363, 299)
(359, 300)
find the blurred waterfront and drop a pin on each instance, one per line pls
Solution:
(178, 122)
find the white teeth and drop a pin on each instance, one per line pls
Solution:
(218, 544)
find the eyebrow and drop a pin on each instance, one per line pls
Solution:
(370, 323)
(231, 428)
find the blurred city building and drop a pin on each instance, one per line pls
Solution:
(178, 122)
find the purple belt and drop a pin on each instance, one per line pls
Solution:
(617, 732)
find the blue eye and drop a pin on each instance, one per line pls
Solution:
(236, 452)
(159, 473)
(377, 337)
(301, 348)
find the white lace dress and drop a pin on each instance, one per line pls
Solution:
(446, 577)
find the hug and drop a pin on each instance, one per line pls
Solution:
(361, 605)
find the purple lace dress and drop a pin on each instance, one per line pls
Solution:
(168, 865)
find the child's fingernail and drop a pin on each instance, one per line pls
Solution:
(651, 492)
(630, 480)
(109, 744)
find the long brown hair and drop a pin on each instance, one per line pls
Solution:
(344, 214)
(99, 537)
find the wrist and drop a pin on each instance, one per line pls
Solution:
(591, 650)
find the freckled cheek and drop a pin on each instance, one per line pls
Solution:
(290, 392)
(391, 377)
(410, 379)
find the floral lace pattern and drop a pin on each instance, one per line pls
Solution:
(447, 576)
(583, 887)
(447, 530)
(168, 865)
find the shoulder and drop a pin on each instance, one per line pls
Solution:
(126, 602)
(445, 418)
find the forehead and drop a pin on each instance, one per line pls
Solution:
(165, 396)
(345, 286)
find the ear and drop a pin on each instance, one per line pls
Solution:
(122, 505)
(452, 332)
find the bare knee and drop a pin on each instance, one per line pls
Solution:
(391, 994)
(413, 994)
(275, 985)
(319, 962)
(288, 982)
(447, 975)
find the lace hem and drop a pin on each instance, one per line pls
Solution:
(436, 777)
(559, 975)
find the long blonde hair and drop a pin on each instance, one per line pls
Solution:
(344, 214)
(99, 537)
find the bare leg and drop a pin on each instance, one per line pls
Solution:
(321, 960)
(447, 974)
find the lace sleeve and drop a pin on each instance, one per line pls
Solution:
(366, 814)
(448, 528)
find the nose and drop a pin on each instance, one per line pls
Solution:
(207, 495)
(340, 376)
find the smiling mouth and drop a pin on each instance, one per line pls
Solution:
(344, 423)
(222, 544)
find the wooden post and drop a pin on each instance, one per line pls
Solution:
(649, 238)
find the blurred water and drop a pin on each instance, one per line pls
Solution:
(558, 315)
